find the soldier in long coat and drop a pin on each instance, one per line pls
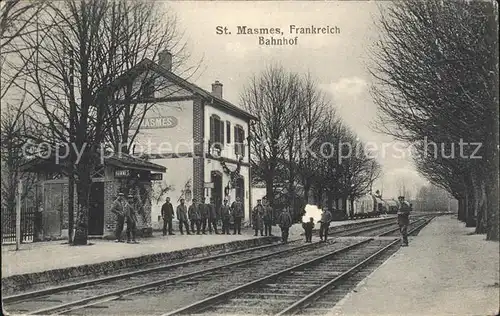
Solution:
(258, 218)
(213, 216)
(285, 222)
(225, 214)
(182, 217)
(118, 208)
(195, 217)
(267, 218)
(404, 209)
(203, 207)
(131, 217)
(238, 214)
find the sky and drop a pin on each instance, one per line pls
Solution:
(337, 61)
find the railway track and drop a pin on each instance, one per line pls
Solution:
(82, 295)
(298, 288)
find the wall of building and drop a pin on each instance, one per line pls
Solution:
(167, 128)
(228, 149)
(179, 172)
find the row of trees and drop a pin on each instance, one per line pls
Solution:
(436, 71)
(67, 59)
(299, 141)
(431, 198)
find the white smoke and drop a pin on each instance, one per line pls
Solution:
(311, 211)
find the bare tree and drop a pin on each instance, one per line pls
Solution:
(434, 75)
(75, 73)
(271, 97)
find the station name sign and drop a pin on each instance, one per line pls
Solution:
(122, 173)
(156, 176)
(159, 122)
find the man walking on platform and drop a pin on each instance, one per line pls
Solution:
(213, 217)
(182, 217)
(285, 222)
(267, 218)
(167, 213)
(238, 214)
(194, 217)
(257, 218)
(203, 216)
(131, 215)
(118, 208)
(326, 218)
(403, 220)
(225, 213)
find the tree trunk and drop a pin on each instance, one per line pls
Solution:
(470, 204)
(270, 189)
(461, 209)
(351, 211)
(482, 216)
(307, 188)
(83, 187)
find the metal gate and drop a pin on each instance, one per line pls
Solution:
(9, 225)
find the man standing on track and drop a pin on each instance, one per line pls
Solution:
(167, 213)
(182, 217)
(119, 210)
(238, 214)
(267, 218)
(285, 222)
(403, 220)
(194, 216)
(257, 218)
(225, 214)
(326, 218)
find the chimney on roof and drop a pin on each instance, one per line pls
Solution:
(165, 59)
(217, 89)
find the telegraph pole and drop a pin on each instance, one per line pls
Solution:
(18, 214)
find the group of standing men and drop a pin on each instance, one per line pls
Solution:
(262, 220)
(200, 215)
(126, 211)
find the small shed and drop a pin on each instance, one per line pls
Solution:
(119, 173)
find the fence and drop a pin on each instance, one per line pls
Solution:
(9, 225)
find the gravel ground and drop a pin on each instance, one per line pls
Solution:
(444, 271)
(172, 297)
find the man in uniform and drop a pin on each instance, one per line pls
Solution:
(238, 214)
(308, 229)
(167, 213)
(131, 216)
(213, 217)
(267, 218)
(182, 217)
(403, 220)
(203, 207)
(118, 208)
(225, 214)
(285, 222)
(195, 217)
(326, 218)
(257, 218)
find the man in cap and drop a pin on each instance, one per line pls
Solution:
(403, 220)
(225, 213)
(267, 218)
(131, 214)
(182, 217)
(195, 217)
(213, 216)
(238, 213)
(257, 218)
(118, 208)
(326, 218)
(285, 222)
(167, 213)
(203, 207)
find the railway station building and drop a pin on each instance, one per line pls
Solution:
(201, 139)
(123, 173)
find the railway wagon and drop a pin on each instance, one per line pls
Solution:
(392, 206)
(369, 206)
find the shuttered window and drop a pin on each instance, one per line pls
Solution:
(228, 132)
(216, 131)
(239, 139)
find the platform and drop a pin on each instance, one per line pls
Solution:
(446, 270)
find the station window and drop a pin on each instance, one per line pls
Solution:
(239, 140)
(216, 131)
